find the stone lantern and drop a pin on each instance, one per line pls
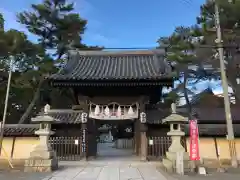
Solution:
(42, 158)
(175, 121)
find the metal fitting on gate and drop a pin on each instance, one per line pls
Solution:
(84, 117)
(143, 118)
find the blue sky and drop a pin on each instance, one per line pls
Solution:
(122, 23)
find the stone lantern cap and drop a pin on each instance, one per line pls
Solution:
(174, 117)
(44, 117)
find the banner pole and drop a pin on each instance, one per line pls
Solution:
(200, 158)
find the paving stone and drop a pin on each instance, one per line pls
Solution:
(109, 173)
(119, 165)
(88, 173)
(151, 173)
(129, 173)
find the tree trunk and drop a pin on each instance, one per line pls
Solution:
(33, 102)
(186, 93)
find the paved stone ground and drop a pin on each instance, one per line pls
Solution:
(214, 176)
(231, 174)
(115, 169)
(112, 164)
(22, 176)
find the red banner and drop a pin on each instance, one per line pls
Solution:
(194, 145)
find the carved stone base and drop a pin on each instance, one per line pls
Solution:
(40, 165)
(42, 159)
(43, 154)
(173, 156)
(170, 161)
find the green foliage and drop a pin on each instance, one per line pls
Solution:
(230, 21)
(184, 44)
(55, 25)
(171, 97)
(1, 22)
(57, 29)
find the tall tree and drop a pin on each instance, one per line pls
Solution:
(181, 52)
(230, 21)
(55, 24)
(58, 29)
(27, 58)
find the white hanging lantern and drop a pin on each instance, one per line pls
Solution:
(119, 111)
(97, 110)
(47, 108)
(238, 80)
(107, 111)
(130, 111)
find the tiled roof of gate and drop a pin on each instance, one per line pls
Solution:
(20, 129)
(103, 65)
(67, 116)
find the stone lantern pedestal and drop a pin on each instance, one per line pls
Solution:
(42, 158)
(176, 151)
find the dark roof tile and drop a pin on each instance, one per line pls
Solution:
(67, 116)
(20, 129)
(137, 65)
(213, 114)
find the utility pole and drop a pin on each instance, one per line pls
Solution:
(230, 131)
(6, 103)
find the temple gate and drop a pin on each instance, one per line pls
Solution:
(115, 88)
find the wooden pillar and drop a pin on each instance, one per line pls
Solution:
(84, 146)
(142, 128)
(143, 142)
(92, 140)
(137, 136)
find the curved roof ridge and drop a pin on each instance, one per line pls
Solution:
(117, 53)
